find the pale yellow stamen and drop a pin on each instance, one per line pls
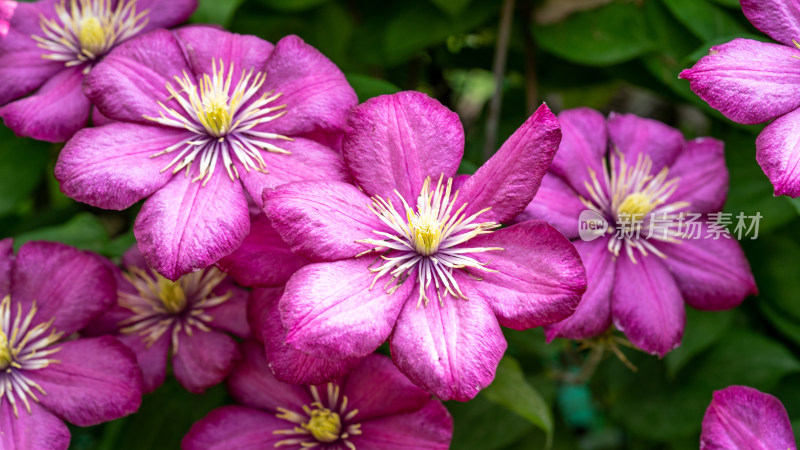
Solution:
(324, 424)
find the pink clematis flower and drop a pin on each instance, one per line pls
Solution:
(375, 407)
(743, 418)
(48, 292)
(206, 117)
(753, 82)
(188, 319)
(415, 256)
(638, 175)
(47, 48)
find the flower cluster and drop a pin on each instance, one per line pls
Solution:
(287, 232)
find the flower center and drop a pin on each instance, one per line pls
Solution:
(23, 348)
(637, 201)
(161, 306)
(84, 30)
(223, 121)
(171, 294)
(635, 205)
(5, 352)
(324, 424)
(429, 239)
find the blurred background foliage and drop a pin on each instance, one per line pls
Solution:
(612, 55)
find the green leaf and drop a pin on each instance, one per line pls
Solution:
(511, 390)
(219, 12)
(367, 87)
(83, 231)
(746, 358)
(608, 35)
(452, 7)
(24, 163)
(705, 20)
(703, 328)
(470, 420)
(729, 3)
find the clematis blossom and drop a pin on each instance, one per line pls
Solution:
(206, 119)
(187, 322)
(48, 292)
(657, 193)
(743, 418)
(416, 256)
(374, 407)
(753, 82)
(47, 48)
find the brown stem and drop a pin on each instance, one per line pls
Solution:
(499, 69)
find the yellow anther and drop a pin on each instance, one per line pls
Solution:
(5, 352)
(92, 35)
(324, 424)
(171, 294)
(636, 205)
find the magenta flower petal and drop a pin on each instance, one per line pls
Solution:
(712, 274)
(778, 155)
(133, 77)
(22, 68)
(740, 417)
(54, 112)
(166, 14)
(231, 315)
(557, 204)
(6, 263)
(152, 359)
(748, 81)
(634, 136)
(263, 258)
(647, 305)
(593, 315)
(253, 384)
(90, 173)
(187, 226)
(71, 286)
(321, 220)
(327, 318)
(539, 277)
(38, 430)
(203, 358)
(96, 380)
(316, 93)
(510, 179)
(777, 18)
(452, 351)
(396, 141)
(380, 390)
(426, 428)
(205, 46)
(234, 427)
(287, 364)
(703, 175)
(306, 157)
(583, 145)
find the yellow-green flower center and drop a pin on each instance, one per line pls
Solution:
(92, 35)
(171, 294)
(635, 206)
(5, 351)
(324, 424)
